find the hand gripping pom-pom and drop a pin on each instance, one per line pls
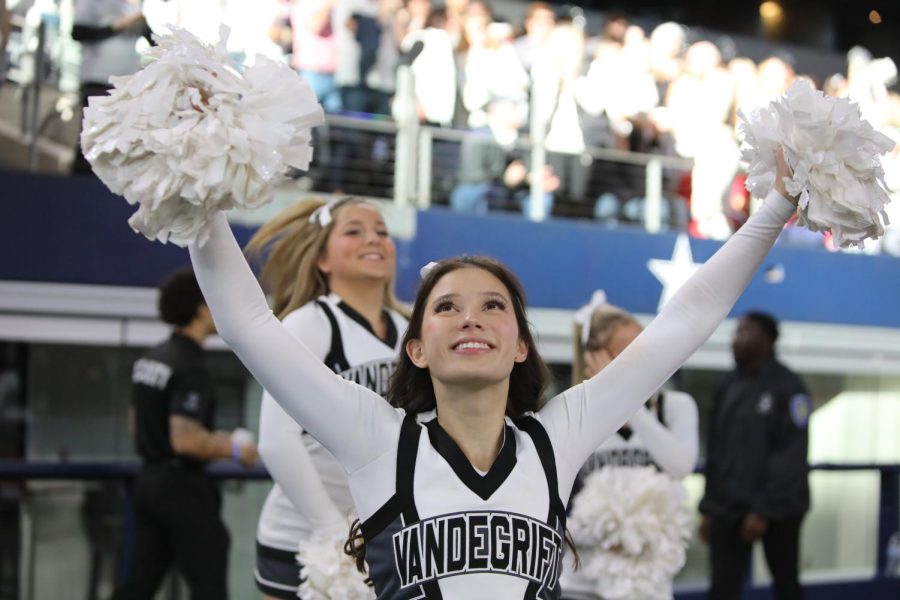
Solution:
(631, 526)
(834, 153)
(190, 135)
(327, 572)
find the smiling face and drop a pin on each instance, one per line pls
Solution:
(358, 247)
(470, 334)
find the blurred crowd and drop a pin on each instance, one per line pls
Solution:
(655, 90)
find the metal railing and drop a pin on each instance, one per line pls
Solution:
(424, 166)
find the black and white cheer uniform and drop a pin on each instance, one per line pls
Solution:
(664, 436)
(421, 503)
(311, 491)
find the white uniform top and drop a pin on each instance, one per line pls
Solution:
(668, 441)
(310, 490)
(364, 433)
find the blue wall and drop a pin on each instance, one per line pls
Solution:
(73, 230)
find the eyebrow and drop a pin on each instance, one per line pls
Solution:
(378, 223)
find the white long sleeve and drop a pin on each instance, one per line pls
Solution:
(354, 423)
(281, 444)
(579, 419)
(675, 445)
(290, 465)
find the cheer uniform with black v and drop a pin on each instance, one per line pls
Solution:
(542, 452)
(311, 491)
(663, 435)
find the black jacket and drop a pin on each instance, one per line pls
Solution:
(757, 443)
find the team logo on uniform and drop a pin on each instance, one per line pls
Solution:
(618, 457)
(191, 402)
(374, 375)
(482, 542)
(800, 408)
(152, 373)
(765, 404)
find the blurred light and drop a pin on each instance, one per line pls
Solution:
(874, 17)
(770, 11)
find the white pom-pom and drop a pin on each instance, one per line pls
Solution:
(327, 572)
(834, 153)
(631, 526)
(190, 135)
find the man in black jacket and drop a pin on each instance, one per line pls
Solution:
(756, 467)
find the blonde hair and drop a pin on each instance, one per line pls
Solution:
(293, 245)
(605, 320)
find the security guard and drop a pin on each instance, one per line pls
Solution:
(176, 505)
(756, 467)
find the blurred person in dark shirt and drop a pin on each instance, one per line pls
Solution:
(176, 504)
(756, 465)
(108, 31)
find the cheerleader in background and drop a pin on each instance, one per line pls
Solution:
(329, 270)
(662, 434)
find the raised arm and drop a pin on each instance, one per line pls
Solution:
(584, 416)
(281, 443)
(353, 423)
(673, 446)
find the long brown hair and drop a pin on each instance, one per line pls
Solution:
(410, 386)
(292, 245)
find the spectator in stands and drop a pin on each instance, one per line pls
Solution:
(368, 51)
(700, 104)
(620, 86)
(635, 94)
(493, 174)
(746, 86)
(773, 76)
(457, 12)
(413, 16)
(250, 25)
(315, 48)
(280, 30)
(108, 31)
(667, 44)
(5, 30)
(836, 86)
(756, 465)
(434, 69)
(539, 21)
(489, 66)
(557, 73)
(868, 80)
(614, 27)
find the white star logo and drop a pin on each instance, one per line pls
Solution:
(673, 273)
